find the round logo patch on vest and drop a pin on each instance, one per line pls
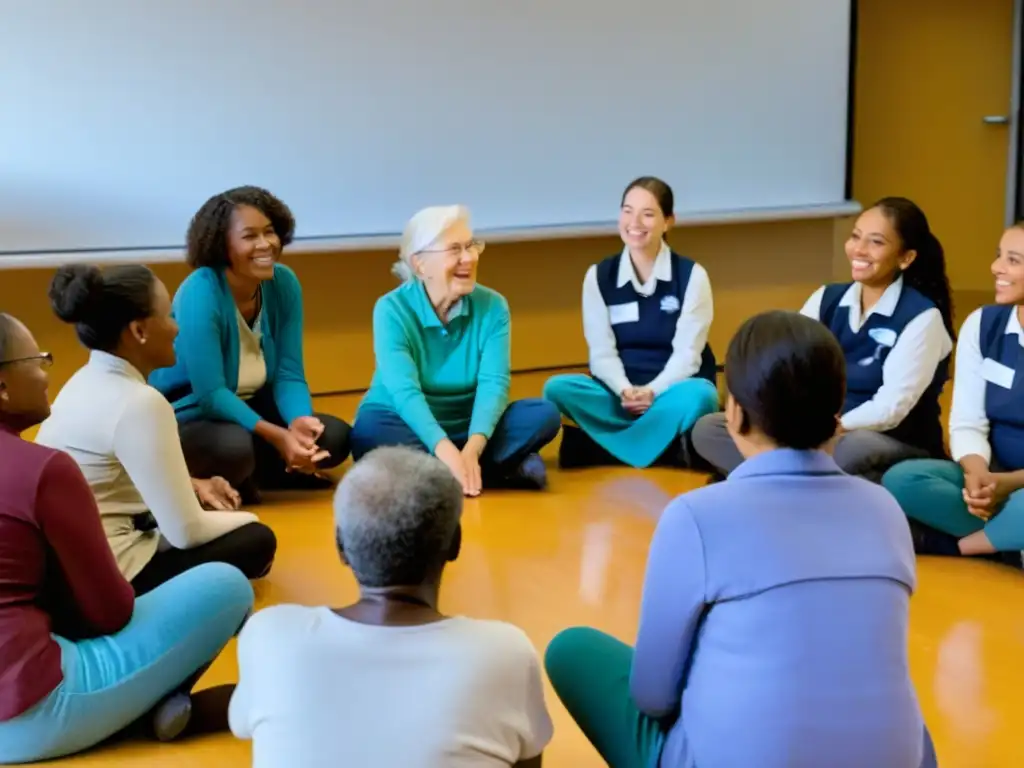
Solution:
(669, 304)
(885, 338)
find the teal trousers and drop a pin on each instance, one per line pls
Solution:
(590, 673)
(931, 492)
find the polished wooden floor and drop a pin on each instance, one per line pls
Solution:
(575, 555)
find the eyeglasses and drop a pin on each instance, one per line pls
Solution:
(474, 247)
(45, 360)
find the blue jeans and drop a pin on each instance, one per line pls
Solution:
(112, 681)
(524, 428)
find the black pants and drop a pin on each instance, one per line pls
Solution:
(578, 450)
(228, 450)
(250, 549)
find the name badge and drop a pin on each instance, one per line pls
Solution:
(997, 373)
(624, 313)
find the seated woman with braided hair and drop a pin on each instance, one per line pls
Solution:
(389, 680)
(83, 658)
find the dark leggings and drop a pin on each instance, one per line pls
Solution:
(578, 450)
(250, 548)
(228, 450)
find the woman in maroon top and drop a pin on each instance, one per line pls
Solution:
(80, 657)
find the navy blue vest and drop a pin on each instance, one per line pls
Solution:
(867, 350)
(1003, 407)
(646, 345)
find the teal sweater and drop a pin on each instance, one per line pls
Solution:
(203, 382)
(444, 381)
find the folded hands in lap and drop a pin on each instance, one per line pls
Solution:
(984, 492)
(636, 400)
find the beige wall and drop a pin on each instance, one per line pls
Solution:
(752, 267)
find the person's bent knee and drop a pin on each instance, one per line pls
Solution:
(364, 436)
(262, 545)
(225, 586)
(557, 388)
(911, 471)
(546, 419)
(705, 396)
(564, 653)
(336, 440)
(707, 430)
(227, 453)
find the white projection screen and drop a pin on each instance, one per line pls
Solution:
(118, 118)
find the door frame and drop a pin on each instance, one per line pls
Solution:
(1015, 164)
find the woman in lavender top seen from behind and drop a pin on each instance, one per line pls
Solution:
(773, 633)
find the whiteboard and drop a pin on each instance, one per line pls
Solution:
(120, 117)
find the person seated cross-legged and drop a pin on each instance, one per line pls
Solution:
(773, 625)
(389, 680)
(442, 347)
(83, 658)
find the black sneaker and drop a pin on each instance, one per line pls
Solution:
(171, 716)
(929, 541)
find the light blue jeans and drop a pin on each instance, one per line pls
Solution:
(112, 681)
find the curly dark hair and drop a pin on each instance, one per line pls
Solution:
(208, 231)
(927, 273)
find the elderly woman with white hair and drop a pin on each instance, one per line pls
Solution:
(442, 348)
(389, 680)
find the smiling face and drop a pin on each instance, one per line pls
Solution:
(23, 379)
(1008, 268)
(874, 249)
(448, 265)
(642, 224)
(253, 245)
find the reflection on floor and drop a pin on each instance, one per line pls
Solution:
(576, 554)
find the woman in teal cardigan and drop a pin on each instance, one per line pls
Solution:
(442, 349)
(239, 386)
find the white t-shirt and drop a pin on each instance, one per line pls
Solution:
(316, 689)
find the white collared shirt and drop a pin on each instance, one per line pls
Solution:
(124, 436)
(968, 422)
(691, 329)
(908, 369)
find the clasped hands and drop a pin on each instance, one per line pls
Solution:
(984, 492)
(636, 400)
(298, 445)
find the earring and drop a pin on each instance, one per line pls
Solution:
(142, 340)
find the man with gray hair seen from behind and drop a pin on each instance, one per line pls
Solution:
(389, 680)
